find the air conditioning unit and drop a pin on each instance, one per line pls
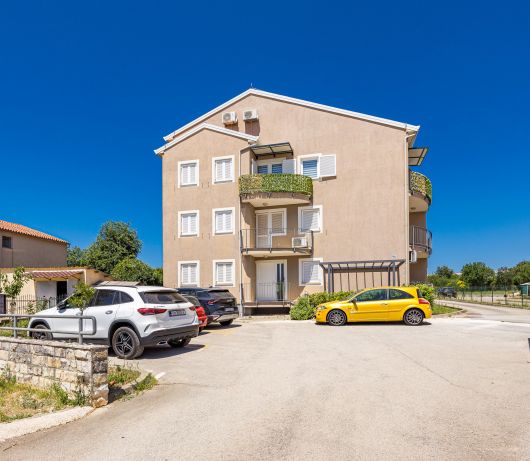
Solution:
(299, 242)
(229, 118)
(413, 256)
(251, 114)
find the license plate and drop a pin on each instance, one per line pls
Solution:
(177, 312)
(229, 309)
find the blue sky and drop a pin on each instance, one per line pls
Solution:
(88, 90)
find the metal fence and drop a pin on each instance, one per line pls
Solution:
(266, 292)
(27, 304)
(510, 296)
(12, 323)
(271, 239)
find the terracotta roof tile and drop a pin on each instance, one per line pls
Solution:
(20, 229)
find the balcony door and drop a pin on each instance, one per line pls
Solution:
(268, 224)
(271, 280)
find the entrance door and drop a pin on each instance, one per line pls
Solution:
(271, 281)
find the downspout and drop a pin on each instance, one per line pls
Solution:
(407, 211)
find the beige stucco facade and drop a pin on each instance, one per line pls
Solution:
(29, 251)
(365, 212)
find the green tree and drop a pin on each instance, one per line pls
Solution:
(134, 270)
(75, 257)
(158, 276)
(504, 277)
(477, 274)
(82, 296)
(521, 273)
(13, 287)
(444, 271)
(115, 242)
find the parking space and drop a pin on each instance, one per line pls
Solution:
(454, 388)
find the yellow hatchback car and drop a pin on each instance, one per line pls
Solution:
(382, 304)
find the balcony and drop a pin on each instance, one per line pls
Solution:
(420, 239)
(263, 242)
(275, 189)
(421, 191)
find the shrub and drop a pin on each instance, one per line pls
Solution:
(304, 307)
(427, 291)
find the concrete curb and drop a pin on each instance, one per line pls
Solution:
(36, 423)
(450, 314)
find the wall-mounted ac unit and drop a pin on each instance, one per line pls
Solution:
(299, 242)
(251, 114)
(413, 256)
(229, 118)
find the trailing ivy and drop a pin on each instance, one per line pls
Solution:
(284, 182)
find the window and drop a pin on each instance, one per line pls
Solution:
(318, 166)
(310, 218)
(223, 169)
(125, 298)
(106, 298)
(268, 167)
(371, 295)
(263, 169)
(188, 223)
(398, 294)
(224, 272)
(310, 272)
(188, 273)
(7, 242)
(189, 173)
(223, 220)
(162, 297)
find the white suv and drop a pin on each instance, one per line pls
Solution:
(128, 318)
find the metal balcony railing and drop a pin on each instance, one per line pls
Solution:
(273, 292)
(420, 239)
(276, 239)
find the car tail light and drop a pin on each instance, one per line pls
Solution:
(193, 308)
(211, 301)
(423, 301)
(151, 310)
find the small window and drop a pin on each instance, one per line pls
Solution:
(310, 272)
(189, 274)
(310, 219)
(7, 242)
(224, 221)
(263, 169)
(125, 298)
(310, 168)
(277, 168)
(398, 294)
(224, 273)
(189, 173)
(106, 298)
(189, 223)
(223, 169)
(372, 295)
(162, 297)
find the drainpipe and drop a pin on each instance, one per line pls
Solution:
(407, 211)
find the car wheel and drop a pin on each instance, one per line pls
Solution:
(200, 329)
(225, 323)
(413, 317)
(125, 343)
(179, 342)
(337, 318)
(44, 334)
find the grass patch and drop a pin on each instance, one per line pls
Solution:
(118, 375)
(145, 384)
(438, 309)
(19, 400)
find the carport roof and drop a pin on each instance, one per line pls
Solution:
(59, 274)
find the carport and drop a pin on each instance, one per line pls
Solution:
(351, 273)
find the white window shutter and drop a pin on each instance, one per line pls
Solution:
(224, 273)
(277, 225)
(328, 166)
(188, 174)
(188, 224)
(188, 274)
(310, 220)
(311, 272)
(223, 221)
(289, 166)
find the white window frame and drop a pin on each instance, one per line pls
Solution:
(272, 210)
(225, 157)
(316, 156)
(214, 211)
(300, 272)
(179, 223)
(214, 272)
(268, 163)
(320, 214)
(179, 175)
(179, 273)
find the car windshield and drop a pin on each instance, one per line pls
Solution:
(162, 297)
(220, 294)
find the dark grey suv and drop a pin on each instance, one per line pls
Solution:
(219, 304)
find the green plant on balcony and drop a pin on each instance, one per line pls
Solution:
(258, 183)
(421, 184)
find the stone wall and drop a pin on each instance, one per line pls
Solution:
(77, 368)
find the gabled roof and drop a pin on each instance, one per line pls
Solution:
(300, 102)
(206, 126)
(20, 229)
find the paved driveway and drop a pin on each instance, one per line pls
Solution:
(457, 388)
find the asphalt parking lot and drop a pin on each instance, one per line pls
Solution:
(454, 388)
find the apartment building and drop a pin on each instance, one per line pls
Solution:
(273, 197)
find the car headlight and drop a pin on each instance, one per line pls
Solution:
(321, 308)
